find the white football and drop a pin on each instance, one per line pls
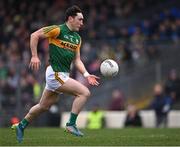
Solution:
(109, 68)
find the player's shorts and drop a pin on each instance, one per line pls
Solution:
(55, 79)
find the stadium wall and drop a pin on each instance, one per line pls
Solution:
(116, 119)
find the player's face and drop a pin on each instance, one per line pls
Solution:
(77, 22)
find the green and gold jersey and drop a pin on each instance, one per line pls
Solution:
(63, 46)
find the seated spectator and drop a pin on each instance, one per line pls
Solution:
(133, 118)
(161, 105)
(96, 119)
(117, 100)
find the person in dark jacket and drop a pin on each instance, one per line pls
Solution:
(172, 88)
(161, 105)
(133, 119)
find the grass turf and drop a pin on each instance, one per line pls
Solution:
(110, 137)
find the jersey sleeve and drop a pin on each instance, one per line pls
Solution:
(79, 45)
(51, 31)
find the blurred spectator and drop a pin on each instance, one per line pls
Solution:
(172, 86)
(37, 91)
(133, 118)
(152, 52)
(106, 52)
(96, 119)
(137, 45)
(122, 53)
(3, 70)
(117, 100)
(161, 105)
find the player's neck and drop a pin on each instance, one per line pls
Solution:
(69, 26)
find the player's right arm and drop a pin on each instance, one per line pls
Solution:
(45, 32)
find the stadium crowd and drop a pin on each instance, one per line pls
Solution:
(111, 30)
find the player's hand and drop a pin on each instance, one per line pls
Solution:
(34, 63)
(92, 79)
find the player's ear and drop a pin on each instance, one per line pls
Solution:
(70, 18)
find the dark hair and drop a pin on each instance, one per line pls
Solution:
(72, 11)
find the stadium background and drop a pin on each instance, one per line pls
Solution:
(141, 35)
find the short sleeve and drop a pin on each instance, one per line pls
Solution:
(51, 31)
(79, 45)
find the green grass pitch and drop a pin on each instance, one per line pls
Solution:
(104, 137)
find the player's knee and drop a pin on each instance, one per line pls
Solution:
(87, 93)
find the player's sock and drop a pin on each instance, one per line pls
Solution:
(23, 124)
(72, 119)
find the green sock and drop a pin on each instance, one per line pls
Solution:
(72, 119)
(23, 124)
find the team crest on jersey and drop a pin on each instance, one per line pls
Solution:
(66, 36)
(77, 41)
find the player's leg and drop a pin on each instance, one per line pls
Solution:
(77, 89)
(48, 98)
(81, 94)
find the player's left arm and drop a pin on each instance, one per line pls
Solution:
(92, 79)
